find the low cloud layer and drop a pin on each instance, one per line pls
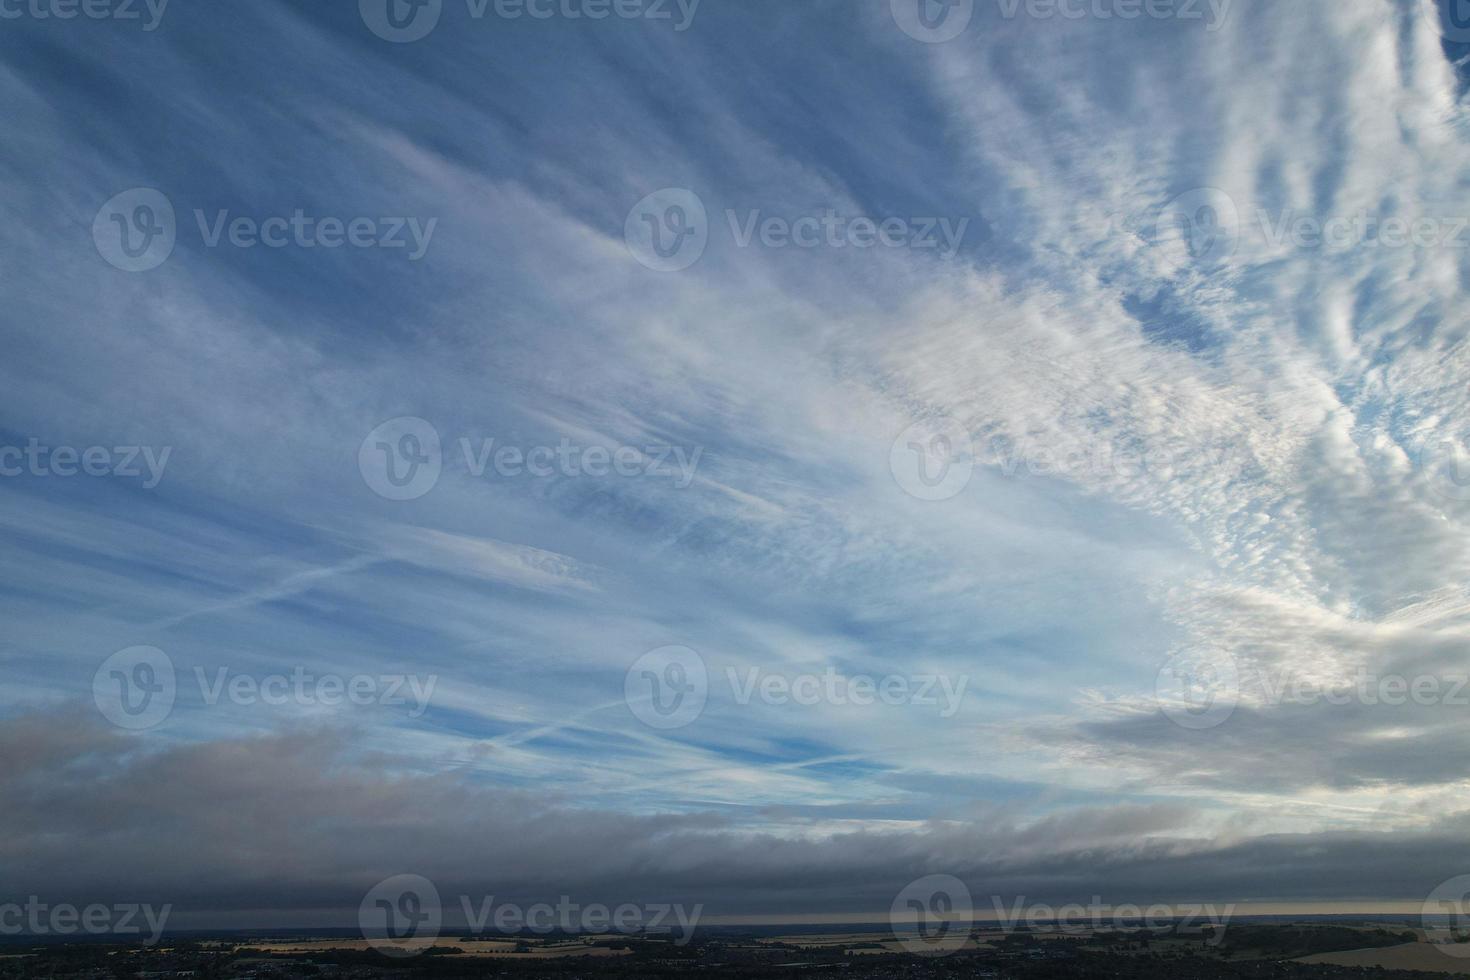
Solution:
(300, 823)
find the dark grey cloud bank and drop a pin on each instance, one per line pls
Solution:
(239, 832)
(1289, 748)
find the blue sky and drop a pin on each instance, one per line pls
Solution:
(1264, 424)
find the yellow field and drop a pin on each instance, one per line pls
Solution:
(1409, 956)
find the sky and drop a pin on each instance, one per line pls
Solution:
(751, 453)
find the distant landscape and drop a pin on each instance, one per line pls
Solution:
(1311, 949)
